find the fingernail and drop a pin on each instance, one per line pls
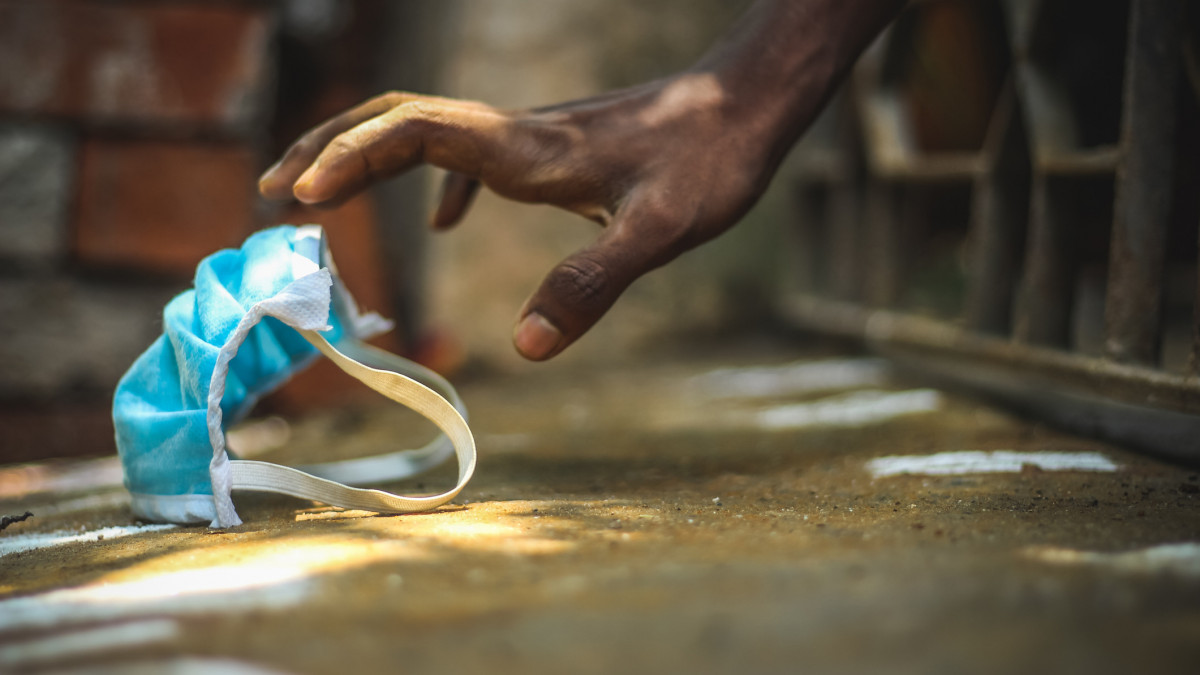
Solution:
(269, 174)
(303, 186)
(535, 337)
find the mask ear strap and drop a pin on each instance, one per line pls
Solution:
(267, 477)
(312, 253)
(402, 463)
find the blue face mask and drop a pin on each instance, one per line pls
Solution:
(255, 317)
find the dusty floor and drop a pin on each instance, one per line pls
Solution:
(695, 516)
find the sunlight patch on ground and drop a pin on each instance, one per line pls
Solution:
(979, 461)
(508, 526)
(332, 513)
(219, 579)
(498, 533)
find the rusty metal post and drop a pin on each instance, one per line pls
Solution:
(1133, 307)
(886, 244)
(1047, 287)
(845, 241)
(807, 237)
(998, 214)
(1193, 364)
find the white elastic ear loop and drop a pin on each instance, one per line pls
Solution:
(311, 252)
(266, 477)
(403, 463)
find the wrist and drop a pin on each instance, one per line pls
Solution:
(783, 60)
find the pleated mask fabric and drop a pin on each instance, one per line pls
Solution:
(254, 317)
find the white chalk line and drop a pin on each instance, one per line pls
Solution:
(982, 461)
(1178, 558)
(174, 666)
(802, 377)
(849, 410)
(276, 578)
(854, 409)
(89, 640)
(29, 542)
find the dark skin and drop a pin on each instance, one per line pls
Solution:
(663, 166)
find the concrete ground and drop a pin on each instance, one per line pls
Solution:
(733, 512)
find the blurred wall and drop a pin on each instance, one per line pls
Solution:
(127, 152)
(132, 133)
(518, 53)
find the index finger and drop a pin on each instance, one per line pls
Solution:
(276, 182)
(467, 139)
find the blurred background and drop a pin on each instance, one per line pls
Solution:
(1002, 197)
(132, 134)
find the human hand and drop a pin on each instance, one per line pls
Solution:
(663, 167)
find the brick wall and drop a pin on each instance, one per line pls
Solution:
(131, 138)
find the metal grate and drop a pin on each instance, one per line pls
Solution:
(1006, 196)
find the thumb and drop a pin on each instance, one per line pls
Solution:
(576, 293)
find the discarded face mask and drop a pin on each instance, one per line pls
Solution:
(255, 317)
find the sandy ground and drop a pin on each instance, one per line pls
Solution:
(710, 514)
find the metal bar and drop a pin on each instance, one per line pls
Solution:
(1047, 286)
(885, 244)
(1136, 406)
(807, 237)
(1088, 162)
(844, 236)
(1133, 305)
(998, 213)
(946, 167)
(1154, 430)
(845, 242)
(1191, 64)
(1102, 378)
(1193, 364)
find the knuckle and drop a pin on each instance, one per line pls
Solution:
(300, 148)
(393, 98)
(423, 114)
(341, 146)
(581, 282)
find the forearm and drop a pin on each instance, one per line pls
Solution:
(783, 53)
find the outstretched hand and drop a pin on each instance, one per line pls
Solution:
(663, 166)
